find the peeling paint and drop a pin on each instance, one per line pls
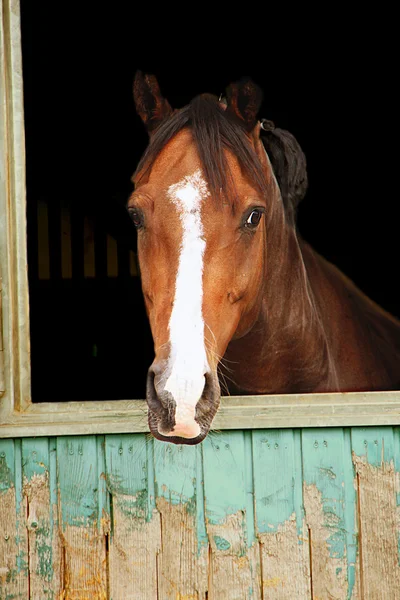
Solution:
(329, 564)
(379, 522)
(286, 562)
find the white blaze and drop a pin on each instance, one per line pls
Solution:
(188, 360)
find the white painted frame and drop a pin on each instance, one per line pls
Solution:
(18, 416)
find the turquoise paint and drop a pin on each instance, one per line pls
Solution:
(7, 461)
(396, 433)
(103, 495)
(78, 480)
(227, 460)
(224, 475)
(22, 557)
(175, 472)
(35, 457)
(127, 474)
(35, 461)
(350, 513)
(221, 543)
(327, 464)
(202, 538)
(249, 488)
(278, 481)
(151, 477)
(377, 444)
(11, 477)
(178, 474)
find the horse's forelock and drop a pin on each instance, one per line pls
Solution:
(213, 131)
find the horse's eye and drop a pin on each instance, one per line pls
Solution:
(254, 218)
(136, 216)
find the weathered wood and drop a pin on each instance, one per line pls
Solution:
(2, 380)
(43, 240)
(234, 569)
(182, 561)
(88, 248)
(135, 536)
(281, 526)
(66, 244)
(13, 208)
(40, 489)
(243, 534)
(82, 527)
(13, 539)
(330, 508)
(378, 511)
(248, 412)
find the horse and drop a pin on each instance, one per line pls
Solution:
(225, 275)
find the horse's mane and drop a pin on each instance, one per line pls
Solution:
(289, 165)
(214, 130)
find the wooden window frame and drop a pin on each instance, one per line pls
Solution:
(18, 415)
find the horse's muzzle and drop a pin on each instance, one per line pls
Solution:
(162, 407)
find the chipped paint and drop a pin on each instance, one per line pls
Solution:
(329, 487)
(13, 538)
(224, 519)
(329, 566)
(379, 524)
(286, 562)
(182, 570)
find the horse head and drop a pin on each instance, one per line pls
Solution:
(205, 193)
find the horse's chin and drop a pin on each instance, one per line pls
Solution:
(176, 439)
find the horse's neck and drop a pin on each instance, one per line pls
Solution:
(286, 350)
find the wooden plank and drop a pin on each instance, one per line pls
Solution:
(112, 257)
(396, 433)
(281, 525)
(54, 217)
(77, 239)
(135, 529)
(251, 412)
(89, 248)
(100, 243)
(44, 542)
(43, 240)
(2, 379)
(234, 569)
(66, 241)
(13, 539)
(331, 516)
(182, 562)
(84, 540)
(13, 239)
(373, 458)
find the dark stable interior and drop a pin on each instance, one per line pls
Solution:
(90, 339)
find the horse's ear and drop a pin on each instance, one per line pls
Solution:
(150, 104)
(244, 100)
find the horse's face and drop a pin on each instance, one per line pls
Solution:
(201, 262)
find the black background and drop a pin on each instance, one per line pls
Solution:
(330, 81)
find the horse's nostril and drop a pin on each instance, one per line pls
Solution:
(153, 400)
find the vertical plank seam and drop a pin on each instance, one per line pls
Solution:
(261, 569)
(209, 574)
(311, 569)
(157, 572)
(360, 542)
(304, 516)
(28, 548)
(107, 550)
